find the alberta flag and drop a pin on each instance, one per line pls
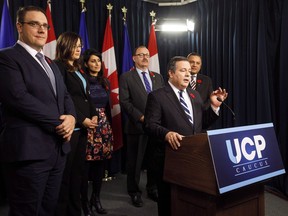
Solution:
(127, 61)
(7, 37)
(83, 31)
(110, 71)
(152, 47)
(50, 47)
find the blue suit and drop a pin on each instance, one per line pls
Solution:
(29, 141)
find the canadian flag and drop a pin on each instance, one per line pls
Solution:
(110, 71)
(152, 47)
(49, 48)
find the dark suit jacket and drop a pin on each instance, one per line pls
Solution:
(164, 113)
(81, 98)
(133, 97)
(31, 110)
(204, 87)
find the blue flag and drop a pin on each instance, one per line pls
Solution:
(83, 31)
(7, 37)
(127, 62)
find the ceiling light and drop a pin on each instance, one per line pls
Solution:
(174, 25)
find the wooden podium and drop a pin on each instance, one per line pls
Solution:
(194, 190)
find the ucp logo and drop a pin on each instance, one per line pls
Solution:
(248, 147)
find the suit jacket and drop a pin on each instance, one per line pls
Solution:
(31, 110)
(133, 97)
(204, 87)
(81, 98)
(164, 113)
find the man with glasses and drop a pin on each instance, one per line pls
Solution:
(134, 87)
(38, 118)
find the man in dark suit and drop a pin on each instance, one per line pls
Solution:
(38, 117)
(134, 87)
(175, 111)
(203, 83)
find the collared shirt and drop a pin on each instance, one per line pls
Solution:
(188, 100)
(147, 75)
(185, 96)
(194, 77)
(32, 52)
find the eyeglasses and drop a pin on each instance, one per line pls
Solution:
(36, 25)
(141, 55)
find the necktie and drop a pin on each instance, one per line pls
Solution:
(185, 107)
(48, 70)
(193, 82)
(147, 84)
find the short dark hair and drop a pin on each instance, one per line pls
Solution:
(23, 10)
(172, 63)
(194, 54)
(135, 50)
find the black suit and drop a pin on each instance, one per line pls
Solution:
(204, 87)
(163, 114)
(133, 97)
(69, 199)
(28, 141)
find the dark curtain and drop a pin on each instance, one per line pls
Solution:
(243, 44)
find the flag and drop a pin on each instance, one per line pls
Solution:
(7, 37)
(127, 61)
(49, 48)
(152, 47)
(83, 31)
(110, 71)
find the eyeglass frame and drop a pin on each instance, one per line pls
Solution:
(37, 25)
(141, 55)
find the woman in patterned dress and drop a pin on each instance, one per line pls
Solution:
(100, 139)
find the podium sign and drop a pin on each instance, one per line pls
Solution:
(244, 155)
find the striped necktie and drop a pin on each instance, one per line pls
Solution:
(146, 82)
(185, 107)
(193, 82)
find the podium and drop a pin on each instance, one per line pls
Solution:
(194, 190)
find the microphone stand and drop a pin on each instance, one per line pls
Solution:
(232, 112)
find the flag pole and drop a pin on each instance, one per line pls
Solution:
(153, 15)
(109, 8)
(124, 11)
(82, 5)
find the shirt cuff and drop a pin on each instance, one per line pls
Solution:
(215, 109)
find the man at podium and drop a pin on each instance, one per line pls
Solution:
(175, 111)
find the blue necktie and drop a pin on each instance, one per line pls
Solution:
(185, 107)
(147, 84)
(48, 70)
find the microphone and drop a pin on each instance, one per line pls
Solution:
(220, 100)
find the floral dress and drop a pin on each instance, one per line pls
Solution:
(100, 139)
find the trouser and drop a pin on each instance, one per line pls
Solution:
(33, 186)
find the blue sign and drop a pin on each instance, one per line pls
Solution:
(244, 155)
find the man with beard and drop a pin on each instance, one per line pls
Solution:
(134, 87)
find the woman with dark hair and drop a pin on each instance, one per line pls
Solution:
(100, 138)
(68, 51)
